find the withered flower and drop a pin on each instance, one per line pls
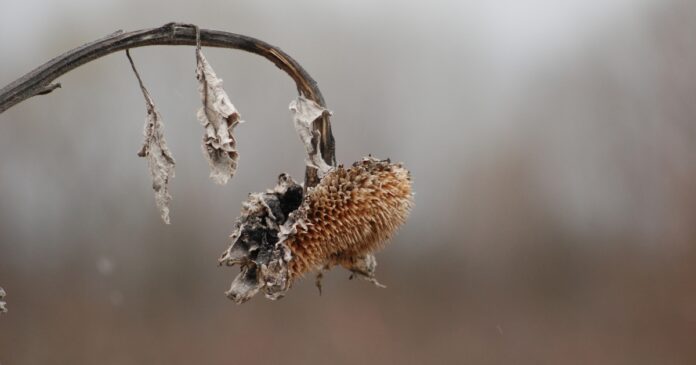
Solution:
(285, 233)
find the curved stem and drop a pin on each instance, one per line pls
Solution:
(38, 81)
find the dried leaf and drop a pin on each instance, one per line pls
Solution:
(219, 117)
(305, 112)
(159, 160)
(3, 308)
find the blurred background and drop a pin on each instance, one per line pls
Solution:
(552, 146)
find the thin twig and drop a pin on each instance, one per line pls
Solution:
(146, 94)
(39, 80)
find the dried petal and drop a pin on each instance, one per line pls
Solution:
(219, 117)
(245, 285)
(159, 160)
(254, 242)
(305, 112)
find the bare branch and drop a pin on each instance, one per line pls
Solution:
(39, 80)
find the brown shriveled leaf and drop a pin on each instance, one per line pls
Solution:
(159, 160)
(3, 308)
(305, 112)
(219, 117)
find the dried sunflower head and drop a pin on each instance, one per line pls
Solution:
(286, 232)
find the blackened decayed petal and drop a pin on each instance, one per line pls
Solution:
(254, 242)
(245, 285)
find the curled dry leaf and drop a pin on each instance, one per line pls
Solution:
(304, 113)
(219, 117)
(159, 160)
(3, 308)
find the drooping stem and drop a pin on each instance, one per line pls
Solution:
(38, 81)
